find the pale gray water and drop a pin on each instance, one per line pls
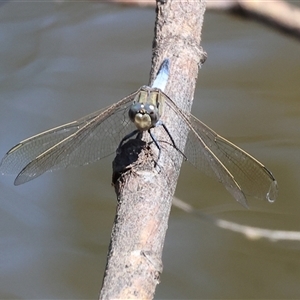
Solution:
(62, 61)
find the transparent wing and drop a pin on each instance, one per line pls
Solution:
(252, 176)
(240, 173)
(77, 143)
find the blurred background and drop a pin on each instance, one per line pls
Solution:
(61, 61)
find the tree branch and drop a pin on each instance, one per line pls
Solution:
(278, 14)
(145, 192)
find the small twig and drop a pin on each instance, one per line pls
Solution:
(253, 233)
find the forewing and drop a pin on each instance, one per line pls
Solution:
(77, 143)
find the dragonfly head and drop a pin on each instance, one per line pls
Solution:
(144, 116)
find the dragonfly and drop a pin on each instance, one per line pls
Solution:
(100, 133)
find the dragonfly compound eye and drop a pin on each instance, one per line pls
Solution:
(152, 111)
(134, 109)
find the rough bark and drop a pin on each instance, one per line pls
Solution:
(145, 189)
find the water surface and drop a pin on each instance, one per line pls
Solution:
(60, 61)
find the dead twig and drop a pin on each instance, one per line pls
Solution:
(250, 232)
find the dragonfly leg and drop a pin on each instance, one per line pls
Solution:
(171, 138)
(154, 139)
(126, 137)
(139, 135)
